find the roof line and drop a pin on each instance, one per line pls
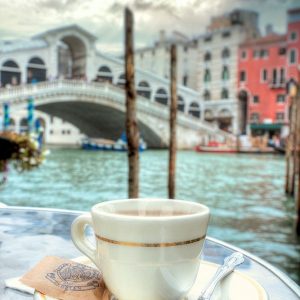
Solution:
(56, 29)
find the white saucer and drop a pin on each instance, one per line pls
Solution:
(236, 286)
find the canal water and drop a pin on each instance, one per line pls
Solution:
(244, 193)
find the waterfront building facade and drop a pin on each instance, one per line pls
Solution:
(265, 65)
(293, 45)
(218, 64)
(262, 80)
(208, 64)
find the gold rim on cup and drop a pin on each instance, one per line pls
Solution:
(136, 244)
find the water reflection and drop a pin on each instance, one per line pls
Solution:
(245, 193)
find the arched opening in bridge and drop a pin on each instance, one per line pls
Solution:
(208, 115)
(121, 81)
(10, 73)
(36, 70)
(97, 120)
(194, 110)
(180, 103)
(23, 125)
(243, 111)
(161, 96)
(104, 74)
(143, 89)
(225, 119)
(71, 58)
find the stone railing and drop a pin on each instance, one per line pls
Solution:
(102, 90)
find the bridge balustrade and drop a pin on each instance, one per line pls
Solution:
(104, 90)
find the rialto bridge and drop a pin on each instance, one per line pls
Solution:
(69, 78)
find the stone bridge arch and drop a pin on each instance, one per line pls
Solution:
(98, 110)
(72, 55)
(98, 120)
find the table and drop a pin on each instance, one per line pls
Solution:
(28, 234)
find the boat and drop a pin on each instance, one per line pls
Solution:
(215, 147)
(109, 145)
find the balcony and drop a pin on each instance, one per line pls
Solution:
(277, 84)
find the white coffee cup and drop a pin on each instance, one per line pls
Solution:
(146, 248)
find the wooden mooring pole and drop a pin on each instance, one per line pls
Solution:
(290, 150)
(173, 115)
(131, 119)
(297, 159)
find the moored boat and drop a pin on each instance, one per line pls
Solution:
(215, 147)
(109, 145)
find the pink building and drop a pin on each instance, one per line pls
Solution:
(265, 66)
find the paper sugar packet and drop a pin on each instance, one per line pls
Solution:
(67, 280)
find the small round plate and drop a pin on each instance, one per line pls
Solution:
(236, 286)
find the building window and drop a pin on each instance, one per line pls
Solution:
(226, 34)
(264, 75)
(280, 98)
(51, 131)
(280, 117)
(293, 36)
(242, 76)
(292, 58)
(185, 49)
(274, 77)
(282, 76)
(207, 76)
(282, 51)
(263, 53)
(153, 51)
(51, 120)
(207, 56)
(255, 99)
(63, 132)
(244, 54)
(142, 55)
(69, 131)
(208, 38)
(206, 95)
(224, 94)
(256, 53)
(254, 117)
(225, 73)
(225, 53)
(185, 80)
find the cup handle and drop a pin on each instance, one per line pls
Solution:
(79, 238)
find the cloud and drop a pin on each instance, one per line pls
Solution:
(144, 6)
(58, 5)
(105, 18)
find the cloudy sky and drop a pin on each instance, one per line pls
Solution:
(104, 18)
